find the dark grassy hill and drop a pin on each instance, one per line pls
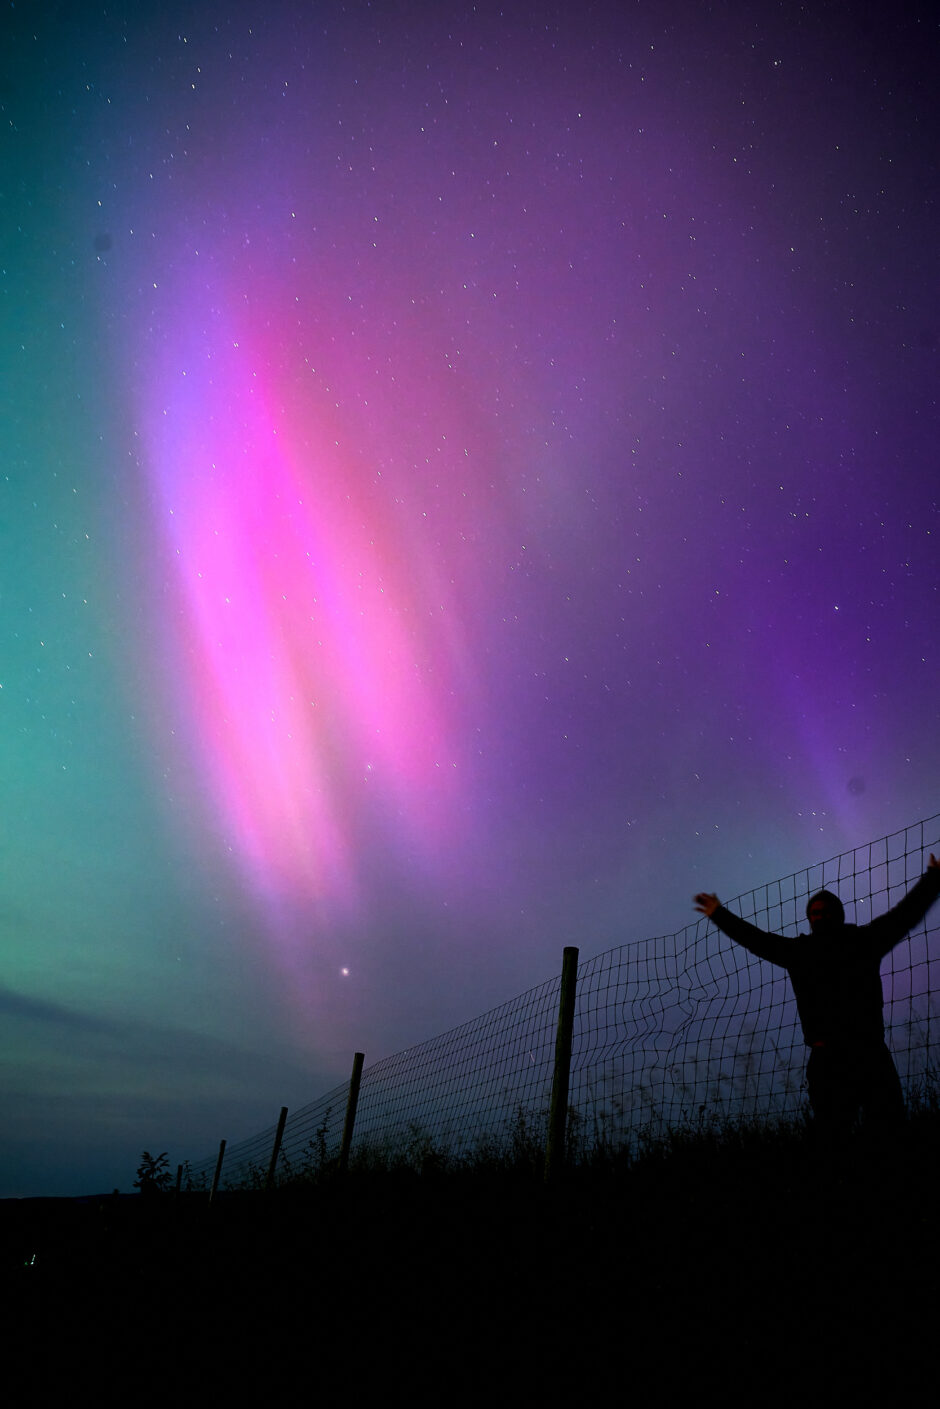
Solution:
(741, 1266)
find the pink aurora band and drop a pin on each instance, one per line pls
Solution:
(311, 667)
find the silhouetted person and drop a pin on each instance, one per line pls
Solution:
(836, 976)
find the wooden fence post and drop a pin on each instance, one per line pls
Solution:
(279, 1135)
(351, 1102)
(558, 1111)
(218, 1171)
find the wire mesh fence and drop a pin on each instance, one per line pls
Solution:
(676, 1030)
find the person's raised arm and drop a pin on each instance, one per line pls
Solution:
(759, 942)
(888, 930)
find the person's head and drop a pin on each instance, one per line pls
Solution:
(825, 911)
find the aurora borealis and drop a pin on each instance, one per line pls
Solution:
(469, 483)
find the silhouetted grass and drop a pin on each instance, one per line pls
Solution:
(716, 1258)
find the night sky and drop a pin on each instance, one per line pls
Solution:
(468, 482)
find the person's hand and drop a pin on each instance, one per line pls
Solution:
(707, 904)
(933, 864)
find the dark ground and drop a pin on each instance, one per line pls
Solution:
(741, 1273)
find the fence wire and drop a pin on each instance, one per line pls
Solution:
(672, 1031)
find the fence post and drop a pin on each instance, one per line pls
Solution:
(558, 1111)
(278, 1137)
(218, 1171)
(351, 1102)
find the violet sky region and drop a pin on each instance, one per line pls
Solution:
(469, 482)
